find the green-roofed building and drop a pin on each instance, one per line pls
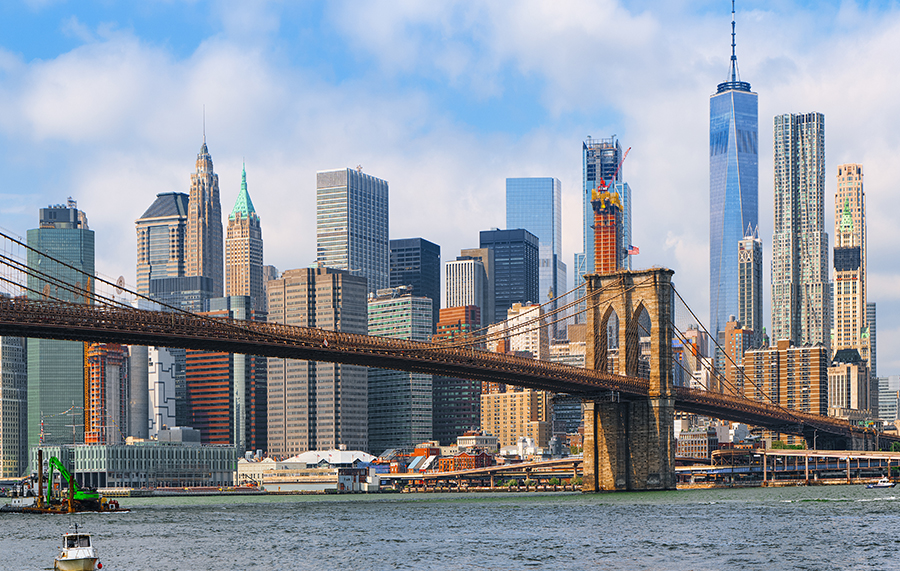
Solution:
(244, 251)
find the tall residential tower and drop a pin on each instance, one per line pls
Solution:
(801, 296)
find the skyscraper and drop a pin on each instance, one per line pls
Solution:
(467, 284)
(851, 330)
(733, 187)
(226, 393)
(317, 406)
(535, 204)
(13, 408)
(801, 300)
(872, 322)
(516, 264)
(416, 262)
(601, 160)
(204, 224)
(161, 233)
(106, 410)
(750, 277)
(352, 225)
(244, 251)
(56, 380)
(456, 403)
(400, 402)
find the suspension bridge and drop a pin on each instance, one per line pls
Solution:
(628, 415)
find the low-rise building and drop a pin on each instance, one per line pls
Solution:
(146, 464)
(465, 461)
(698, 443)
(478, 439)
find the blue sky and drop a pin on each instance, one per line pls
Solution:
(102, 101)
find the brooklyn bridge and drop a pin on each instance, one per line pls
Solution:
(629, 442)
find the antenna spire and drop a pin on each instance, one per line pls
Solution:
(733, 44)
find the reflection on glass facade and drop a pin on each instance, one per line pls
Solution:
(535, 204)
(56, 368)
(352, 225)
(515, 268)
(733, 191)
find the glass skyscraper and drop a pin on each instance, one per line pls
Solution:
(515, 269)
(535, 204)
(352, 225)
(56, 368)
(733, 188)
(416, 262)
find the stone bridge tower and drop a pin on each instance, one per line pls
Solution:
(629, 442)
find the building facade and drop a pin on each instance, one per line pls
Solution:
(750, 285)
(312, 405)
(352, 225)
(733, 187)
(514, 414)
(203, 251)
(516, 264)
(801, 292)
(456, 403)
(163, 376)
(161, 237)
(872, 323)
(13, 408)
(56, 369)
(849, 388)
(535, 204)
(851, 329)
(416, 262)
(467, 285)
(226, 392)
(400, 402)
(788, 376)
(106, 410)
(601, 160)
(244, 251)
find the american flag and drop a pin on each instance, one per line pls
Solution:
(633, 250)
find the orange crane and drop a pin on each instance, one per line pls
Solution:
(603, 185)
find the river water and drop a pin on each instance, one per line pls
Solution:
(829, 527)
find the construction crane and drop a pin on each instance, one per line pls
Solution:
(603, 186)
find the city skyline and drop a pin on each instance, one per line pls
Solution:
(447, 160)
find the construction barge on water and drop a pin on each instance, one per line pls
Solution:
(71, 498)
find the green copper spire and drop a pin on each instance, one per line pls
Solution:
(846, 217)
(243, 206)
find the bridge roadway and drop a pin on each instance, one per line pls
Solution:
(104, 324)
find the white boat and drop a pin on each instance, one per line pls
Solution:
(78, 553)
(882, 483)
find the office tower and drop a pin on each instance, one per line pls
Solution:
(163, 377)
(889, 398)
(13, 408)
(400, 402)
(204, 224)
(56, 380)
(456, 402)
(515, 414)
(139, 392)
(601, 161)
(734, 341)
(106, 413)
(317, 406)
(608, 239)
(352, 225)
(467, 284)
(750, 278)
(849, 391)
(801, 296)
(527, 332)
(872, 322)
(850, 305)
(788, 376)
(161, 233)
(733, 186)
(486, 257)
(535, 204)
(226, 392)
(269, 273)
(416, 262)
(515, 265)
(244, 251)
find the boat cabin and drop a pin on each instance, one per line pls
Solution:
(75, 540)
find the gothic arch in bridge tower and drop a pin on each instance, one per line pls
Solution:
(629, 444)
